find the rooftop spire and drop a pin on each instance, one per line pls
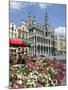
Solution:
(46, 18)
(46, 21)
(34, 18)
(29, 14)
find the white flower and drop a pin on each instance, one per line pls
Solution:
(33, 82)
(19, 76)
(25, 77)
(19, 82)
(28, 80)
(17, 70)
(56, 82)
(47, 85)
(34, 76)
(46, 76)
(52, 82)
(47, 81)
(16, 86)
(40, 74)
(47, 68)
(30, 74)
(24, 73)
(12, 75)
(34, 85)
(49, 78)
(28, 83)
(53, 70)
(35, 71)
(43, 80)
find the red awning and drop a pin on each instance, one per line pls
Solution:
(16, 42)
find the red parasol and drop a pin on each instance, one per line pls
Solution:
(16, 42)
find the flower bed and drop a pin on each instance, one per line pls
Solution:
(38, 74)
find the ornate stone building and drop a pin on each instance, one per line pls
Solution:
(42, 37)
(24, 35)
(61, 44)
(43, 40)
(13, 32)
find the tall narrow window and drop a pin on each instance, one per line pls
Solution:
(46, 34)
(12, 28)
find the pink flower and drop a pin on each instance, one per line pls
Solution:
(62, 76)
(37, 67)
(25, 77)
(53, 77)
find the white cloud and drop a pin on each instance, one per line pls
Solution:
(43, 6)
(15, 5)
(60, 31)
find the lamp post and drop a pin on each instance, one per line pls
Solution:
(54, 59)
(35, 44)
(53, 51)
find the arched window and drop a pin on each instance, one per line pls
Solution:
(44, 49)
(47, 49)
(41, 49)
(38, 48)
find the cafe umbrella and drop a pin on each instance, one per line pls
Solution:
(27, 43)
(18, 42)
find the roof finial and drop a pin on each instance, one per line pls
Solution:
(46, 17)
(29, 14)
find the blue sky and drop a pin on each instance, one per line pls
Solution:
(56, 13)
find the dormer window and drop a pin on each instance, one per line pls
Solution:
(15, 29)
(23, 29)
(34, 22)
